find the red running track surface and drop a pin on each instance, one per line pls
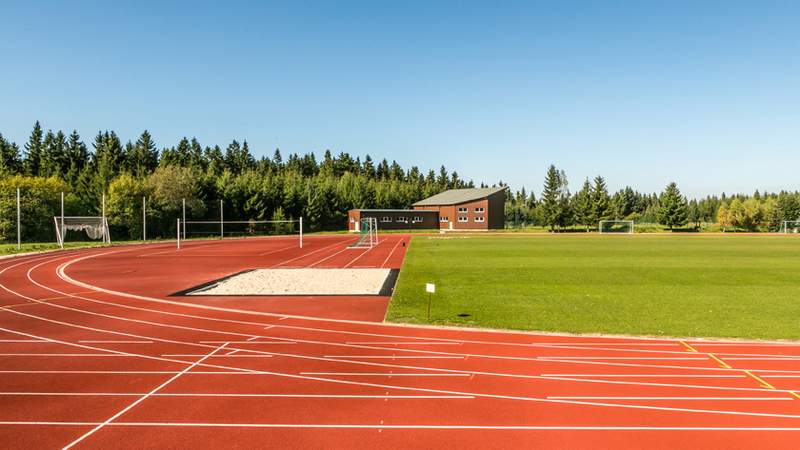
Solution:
(95, 352)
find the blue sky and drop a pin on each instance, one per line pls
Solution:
(703, 93)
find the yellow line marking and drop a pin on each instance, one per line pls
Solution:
(795, 395)
(721, 362)
(688, 347)
(760, 380)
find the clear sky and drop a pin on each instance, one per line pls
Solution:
(705, 93)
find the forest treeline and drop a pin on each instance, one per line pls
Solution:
(266, 188)
(559, 208)
(278, 187)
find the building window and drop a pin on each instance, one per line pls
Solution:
(386, 219)
(479, 210)
(463, 219)
(401, 219)
(444, 219)
(416, 219)
(352, 220)
(463, 210)
(479, 219)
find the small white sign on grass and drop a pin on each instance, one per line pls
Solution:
(430, 288)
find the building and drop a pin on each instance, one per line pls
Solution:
(455, 209)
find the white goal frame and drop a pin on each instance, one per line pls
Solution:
(603, 222)
(62, 227)
(793, 224)
(369, 233)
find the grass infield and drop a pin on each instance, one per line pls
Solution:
(662, 285)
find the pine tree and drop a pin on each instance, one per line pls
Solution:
(33, 151)
(10, 163)
(672, 210)
(601, 203)
(583, 207)
(550, 201)
(144, 158)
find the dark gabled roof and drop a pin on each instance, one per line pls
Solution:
(456, 196)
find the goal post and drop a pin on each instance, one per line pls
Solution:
(94, 227)
(790, 227)
(368, 233)
(616, 226)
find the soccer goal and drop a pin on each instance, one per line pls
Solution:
(93, 227)
(791, 227)
(241, 229)
(369, 233)
(616, 226)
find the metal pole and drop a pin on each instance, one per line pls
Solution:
(221, 223)
(184, 218)
(179, 233)
(105, 230)
(301, 231)
(62, 219)
(144, 219)
(19, 220)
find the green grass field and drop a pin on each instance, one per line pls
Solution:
(710, 286)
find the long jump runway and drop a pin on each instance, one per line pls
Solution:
(97, 352)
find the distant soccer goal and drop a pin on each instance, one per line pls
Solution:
(93, 227)
(240, 229)
(616, 226)
(369, 233)
(790, 227)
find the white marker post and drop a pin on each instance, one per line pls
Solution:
(301, 231)
(19, 220)
(221, 223)
(179, 233)
(430, 288)
(144, 219)
(62, 220)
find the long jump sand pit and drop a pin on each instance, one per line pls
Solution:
(301, 282)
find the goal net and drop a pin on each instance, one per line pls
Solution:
(92, 227)
(241, 229)
(368, 233)
(791, 227)
(616, 226)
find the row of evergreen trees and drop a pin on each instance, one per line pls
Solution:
(249, 187)
(558, 208)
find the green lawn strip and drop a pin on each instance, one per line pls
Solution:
(709, 286)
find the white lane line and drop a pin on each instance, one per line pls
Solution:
(402, 427)
(19, 341)
(391, 252)
(390, 357)
(253, 338)
(116, 342)
(649, 375)
(249, 342)
(376, 374)
(215, 356)
(779, 376)
(267, 328)
(763, 358)
(92, 355)
(193, 394)
(612, 358)
(278, 250)
(674, 398)
(327, 257)
(304, 255)
(359, 256)
(142, 398)
(401, 343)
(120, 372)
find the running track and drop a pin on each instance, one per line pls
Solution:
(96, 353)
